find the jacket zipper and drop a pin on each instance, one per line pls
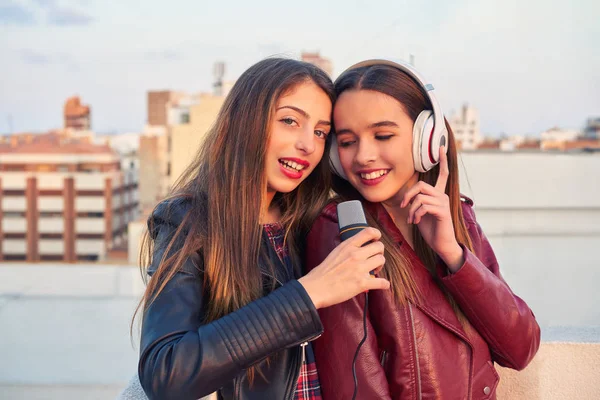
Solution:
(295, 382)
(412, 324)
(383, 358)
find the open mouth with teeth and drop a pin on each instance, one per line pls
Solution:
(375, 174)
(291, 165)
(373, 177)
(292, 168)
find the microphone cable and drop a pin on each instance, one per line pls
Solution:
(364, 339)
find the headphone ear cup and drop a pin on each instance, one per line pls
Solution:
(422, 131)
(334, 160)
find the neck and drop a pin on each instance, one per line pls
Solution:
(400, 215)
(269, 213)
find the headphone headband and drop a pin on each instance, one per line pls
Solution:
(438, 116)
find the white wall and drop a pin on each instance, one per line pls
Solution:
(51, 203)
(90, 225)
(14, 180)
(135, 233)
(14, 225)
(51, 225)
(540, 222)
(14, 246)
(51, 180)
(51, 247)
(91, 204)
(89, 246)
(541, 213)
(532, 180)
(14, 203)
(91, 181)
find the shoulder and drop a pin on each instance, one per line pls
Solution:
(323, 236)
(169, 228)
(325, 227)
(327, 221)
(329, 212)
(169, 212)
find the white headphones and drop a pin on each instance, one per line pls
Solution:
(429, 131)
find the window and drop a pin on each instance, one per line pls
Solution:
(14, 214)
(51, 214)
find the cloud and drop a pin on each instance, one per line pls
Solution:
(12, 13)
(45, 3)
(270, 49)
(34, 58)
(163, 55)
(62, 16)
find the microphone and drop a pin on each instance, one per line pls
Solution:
(351, 220)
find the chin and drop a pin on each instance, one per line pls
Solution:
(375, 198)
(375, 195)
(284, 187)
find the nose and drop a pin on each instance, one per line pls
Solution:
(306, 141)
(366, 153)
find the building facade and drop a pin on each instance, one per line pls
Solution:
(465, 125)
(62, 198)
(316, 59)
(76, 116)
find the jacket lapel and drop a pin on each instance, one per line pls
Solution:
(434, 303)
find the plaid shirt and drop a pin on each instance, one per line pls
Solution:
(308, 387)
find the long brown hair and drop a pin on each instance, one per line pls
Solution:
(226, 187)
(397, 84)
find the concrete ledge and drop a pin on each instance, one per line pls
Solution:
(64, 280)
(62, 392)
(560, 371)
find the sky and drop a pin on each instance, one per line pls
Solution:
(525, 65)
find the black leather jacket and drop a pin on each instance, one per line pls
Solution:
(181, 358)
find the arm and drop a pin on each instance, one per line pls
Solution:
(182, 358)
(343, 323)
(502, 318)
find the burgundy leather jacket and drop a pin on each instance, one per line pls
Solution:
(421, 351)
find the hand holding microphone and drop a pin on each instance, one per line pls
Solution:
(346, 270)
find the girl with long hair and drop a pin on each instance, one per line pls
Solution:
(449, 314)
(225, 308)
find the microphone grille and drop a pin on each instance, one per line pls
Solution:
(350, 213)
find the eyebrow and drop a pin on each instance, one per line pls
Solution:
(380, 124)
(305, 114)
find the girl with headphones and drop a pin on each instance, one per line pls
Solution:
(449, 315)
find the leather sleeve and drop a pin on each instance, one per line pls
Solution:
(182, 358)
(502, 318)
(343, 323)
